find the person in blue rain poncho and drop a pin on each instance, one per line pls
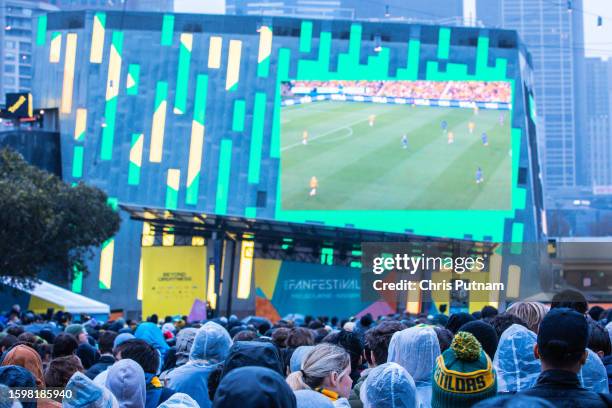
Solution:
(514, 362)
(126, 380)
(210, 347)
(593, 375)
(416, 341)
(389, 386)
(150, 333)
(83, 393)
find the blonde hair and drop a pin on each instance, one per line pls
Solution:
(531, 313)
(320, 362)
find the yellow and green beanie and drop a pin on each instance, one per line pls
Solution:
(463, 374)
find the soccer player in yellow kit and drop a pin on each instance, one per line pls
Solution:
(305, 137)
(371, 119)
(451, 137)
(471, 126)
(314, 183)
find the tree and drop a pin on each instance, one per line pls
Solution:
(47, 224)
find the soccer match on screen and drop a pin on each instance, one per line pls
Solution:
(396, 145)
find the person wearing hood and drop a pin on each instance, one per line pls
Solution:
(593, 375)
(126, 380)
(255, 387)
(85, 394)
(122, 337)
(297, 358)
(148, 358)
(312, 399)
(27, 358)
(150, 333)
(599, 342)
(18, 377)
(184, 342)
(179, 400)
(210, 347)
(61, 370)
(5, 398)
(389, 386)
(420, 341)
(326, 369)
(253, 353)
(514, 362)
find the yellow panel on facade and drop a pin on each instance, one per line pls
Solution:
(514, 281)
(413, 302)
(114, 74)
(136, 151)
(214, 52)
(233, 63)
(106, 264)
(210, 289)
(195, 151)
(495, 264)
(55, 49)
(187, 40)
(197, 241)
(139, 291)
(174, 178)
(80, 124)
(265, 43)
(157, 133)
(173, 278)
(68, 83)
(97, 41)
(246, 270)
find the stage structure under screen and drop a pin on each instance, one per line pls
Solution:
(194, 113)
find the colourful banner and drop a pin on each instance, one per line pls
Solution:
(306, 288)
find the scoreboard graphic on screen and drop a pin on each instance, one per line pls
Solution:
(394, 127)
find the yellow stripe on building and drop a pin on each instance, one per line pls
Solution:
(214, 52)
(265, 43)
(68, 84)
(233, 64)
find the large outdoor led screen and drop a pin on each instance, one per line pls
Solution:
(396, 145)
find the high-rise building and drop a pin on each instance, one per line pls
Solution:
(16, 20)
(138, 5)
(599, 121)
(554, 35)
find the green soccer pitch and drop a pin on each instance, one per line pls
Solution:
(363, 167)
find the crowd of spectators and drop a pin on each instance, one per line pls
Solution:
(531, 355)
(471, 91)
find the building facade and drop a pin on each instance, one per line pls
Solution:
(555, 37)
(599, 122)
(182, 112)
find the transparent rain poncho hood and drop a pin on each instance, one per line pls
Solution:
(593, 375)
(415, 341)
(389, 386)
(514, 362)
(211, 344)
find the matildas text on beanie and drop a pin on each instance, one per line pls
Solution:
(463, 374)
